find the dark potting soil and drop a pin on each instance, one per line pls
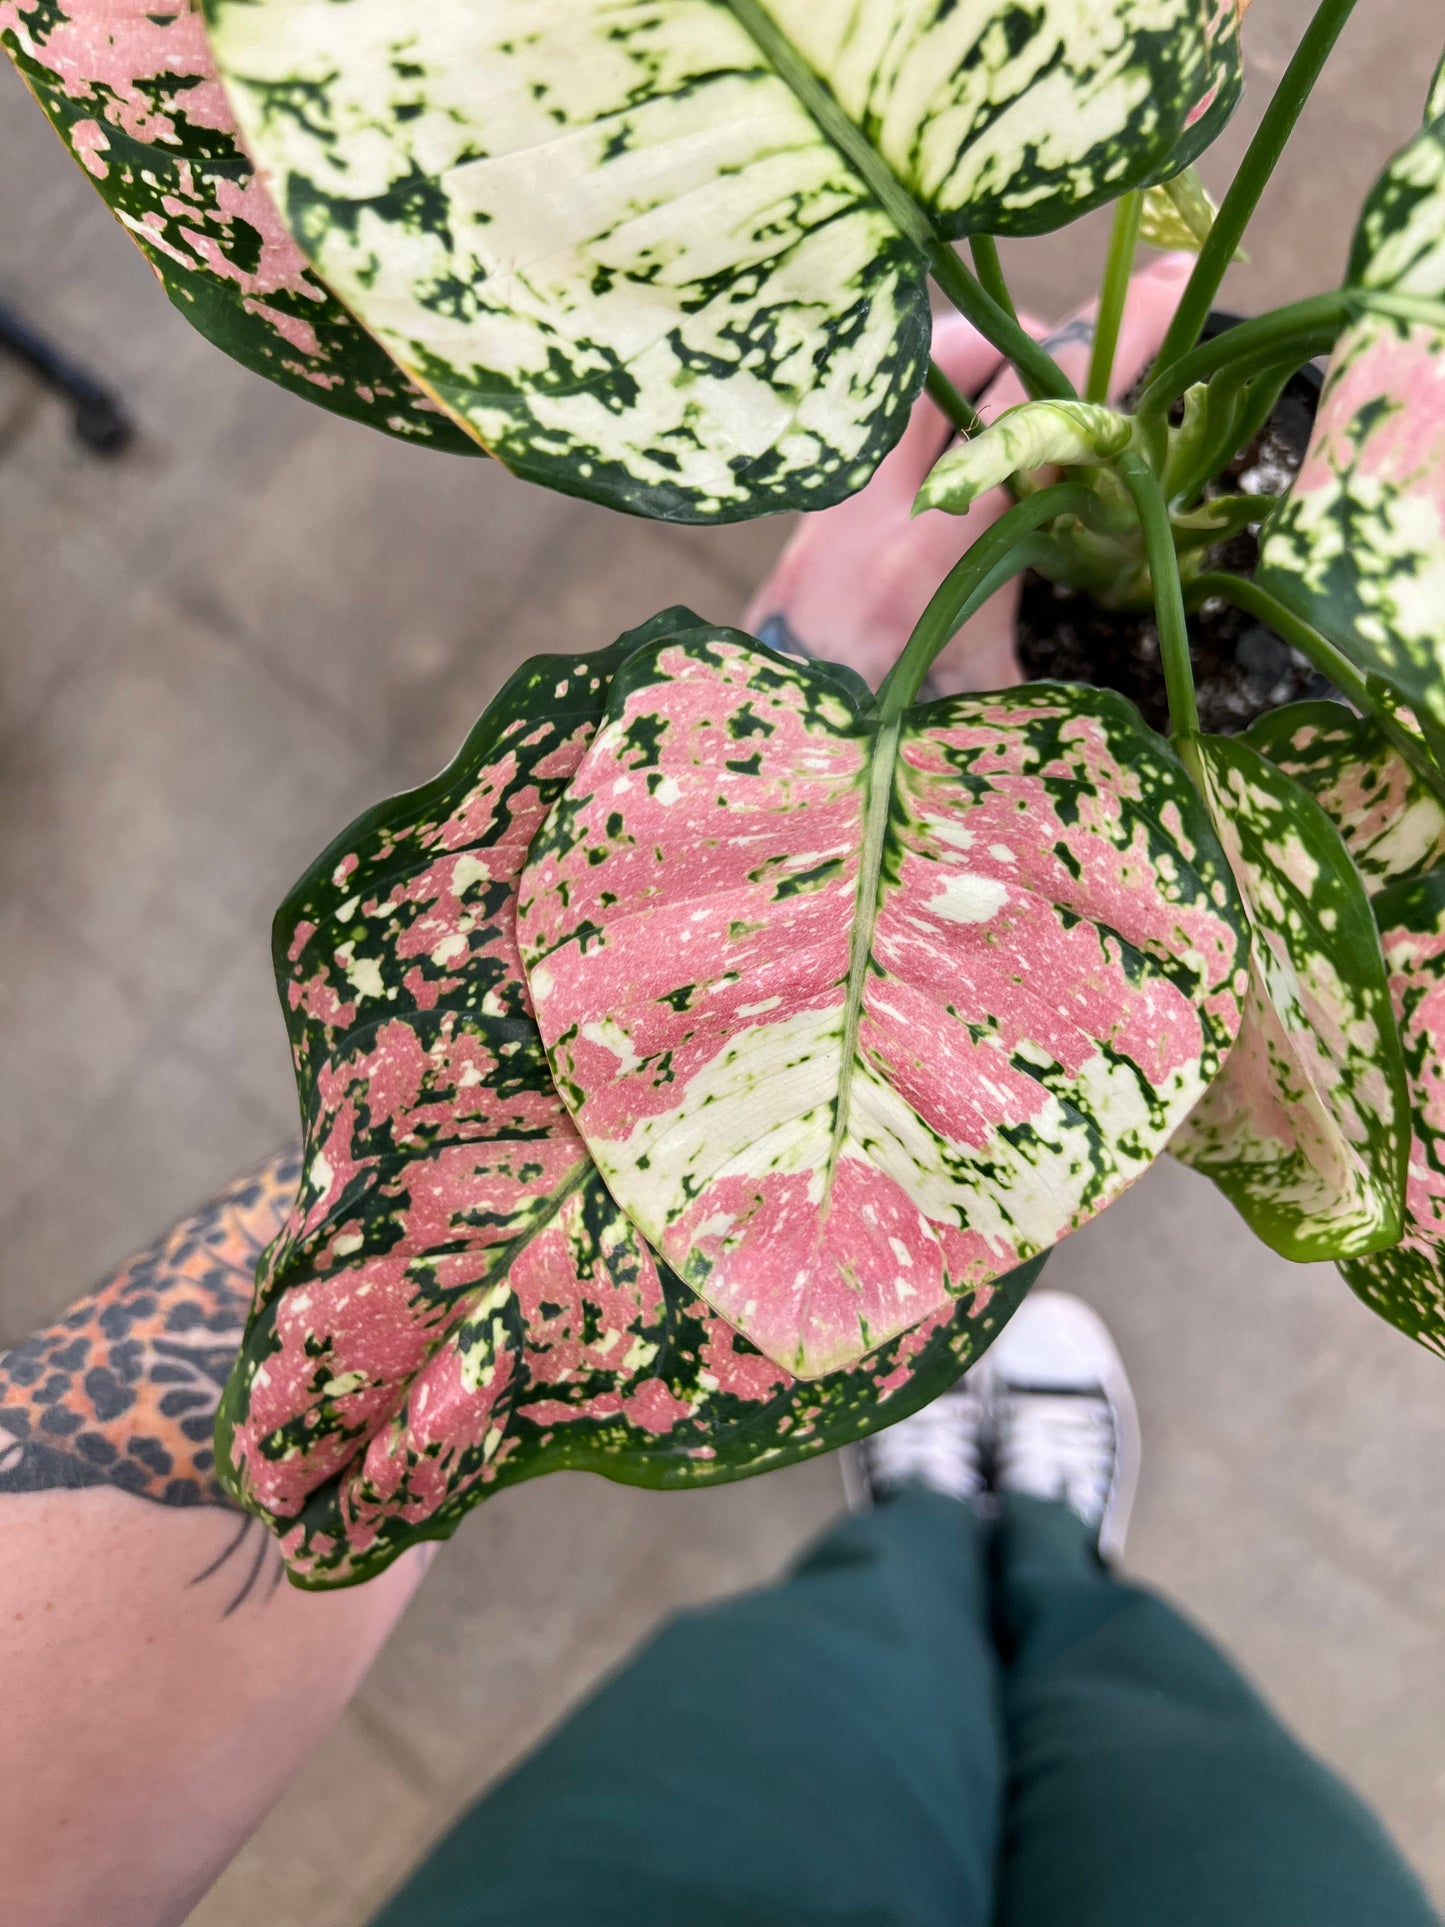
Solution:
(1241, 667)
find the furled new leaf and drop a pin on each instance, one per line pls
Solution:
(133, 93)
(456, 1303)
(671, 254)
(1357, 547)
(1177, 214)
(1306, 1128)
(856, 1016)
(1392, 826)
(1407, 1284)
(1036, 434)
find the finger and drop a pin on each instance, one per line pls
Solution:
(1153, 297)
(832, 581)
(854, 589)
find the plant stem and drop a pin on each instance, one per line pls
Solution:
(970, 582)
(1258, 602)
(989, 269)
(960, 412)
(1041, 374)
(1296, 85)
(1118, 266)
(1302, 329)
(1143, 484)
(995, 322)
(1413, 308)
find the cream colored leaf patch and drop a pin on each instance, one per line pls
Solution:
(671, 254)
(1177, 214)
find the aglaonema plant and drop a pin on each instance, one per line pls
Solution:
(696, 1074)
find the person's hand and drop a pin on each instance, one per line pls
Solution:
(855, 579)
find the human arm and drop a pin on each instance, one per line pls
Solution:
(159, 1685)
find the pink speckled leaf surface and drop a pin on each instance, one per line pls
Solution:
(1357, 546)
(854, 1019)
(1406, 1285)
(1391, 824)
(132, 91)
(456, 1302)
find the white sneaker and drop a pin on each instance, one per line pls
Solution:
(942, 1447)
(1063, 1419)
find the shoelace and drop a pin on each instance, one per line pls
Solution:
(938, 1447)
(1057, 1446)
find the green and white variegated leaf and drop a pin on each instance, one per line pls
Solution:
(1177, 214)
(1435, 101)
(1306, 1128)
(132, 92)
(1406, 1285)
(1036, 434)
(1001, 120)
(1392, 826)
(456, 1303)
(1357, 546)
(857, 1016)
(671, 254)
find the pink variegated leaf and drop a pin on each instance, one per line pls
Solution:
(456, 1303)
(1406, 1285)
(1391, 824)
(1357, 546)
(132, 91)
(1305, 1130)
(857, 1017)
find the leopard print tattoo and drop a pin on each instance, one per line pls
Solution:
(123, 1390)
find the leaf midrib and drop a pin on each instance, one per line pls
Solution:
(881, 769)
(907, 215)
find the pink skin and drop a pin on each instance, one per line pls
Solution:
(855, 579)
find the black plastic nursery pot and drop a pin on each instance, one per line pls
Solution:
(1241, 667)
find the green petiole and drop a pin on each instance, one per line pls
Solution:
(1255, 601)
(961, 412)
(1041, 374)
(998, 554)
(1143, 484)
(1261, 157)
(1118, 266)
(989, 269)
(1303, 329)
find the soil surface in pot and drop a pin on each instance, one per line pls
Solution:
(1241, 667)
